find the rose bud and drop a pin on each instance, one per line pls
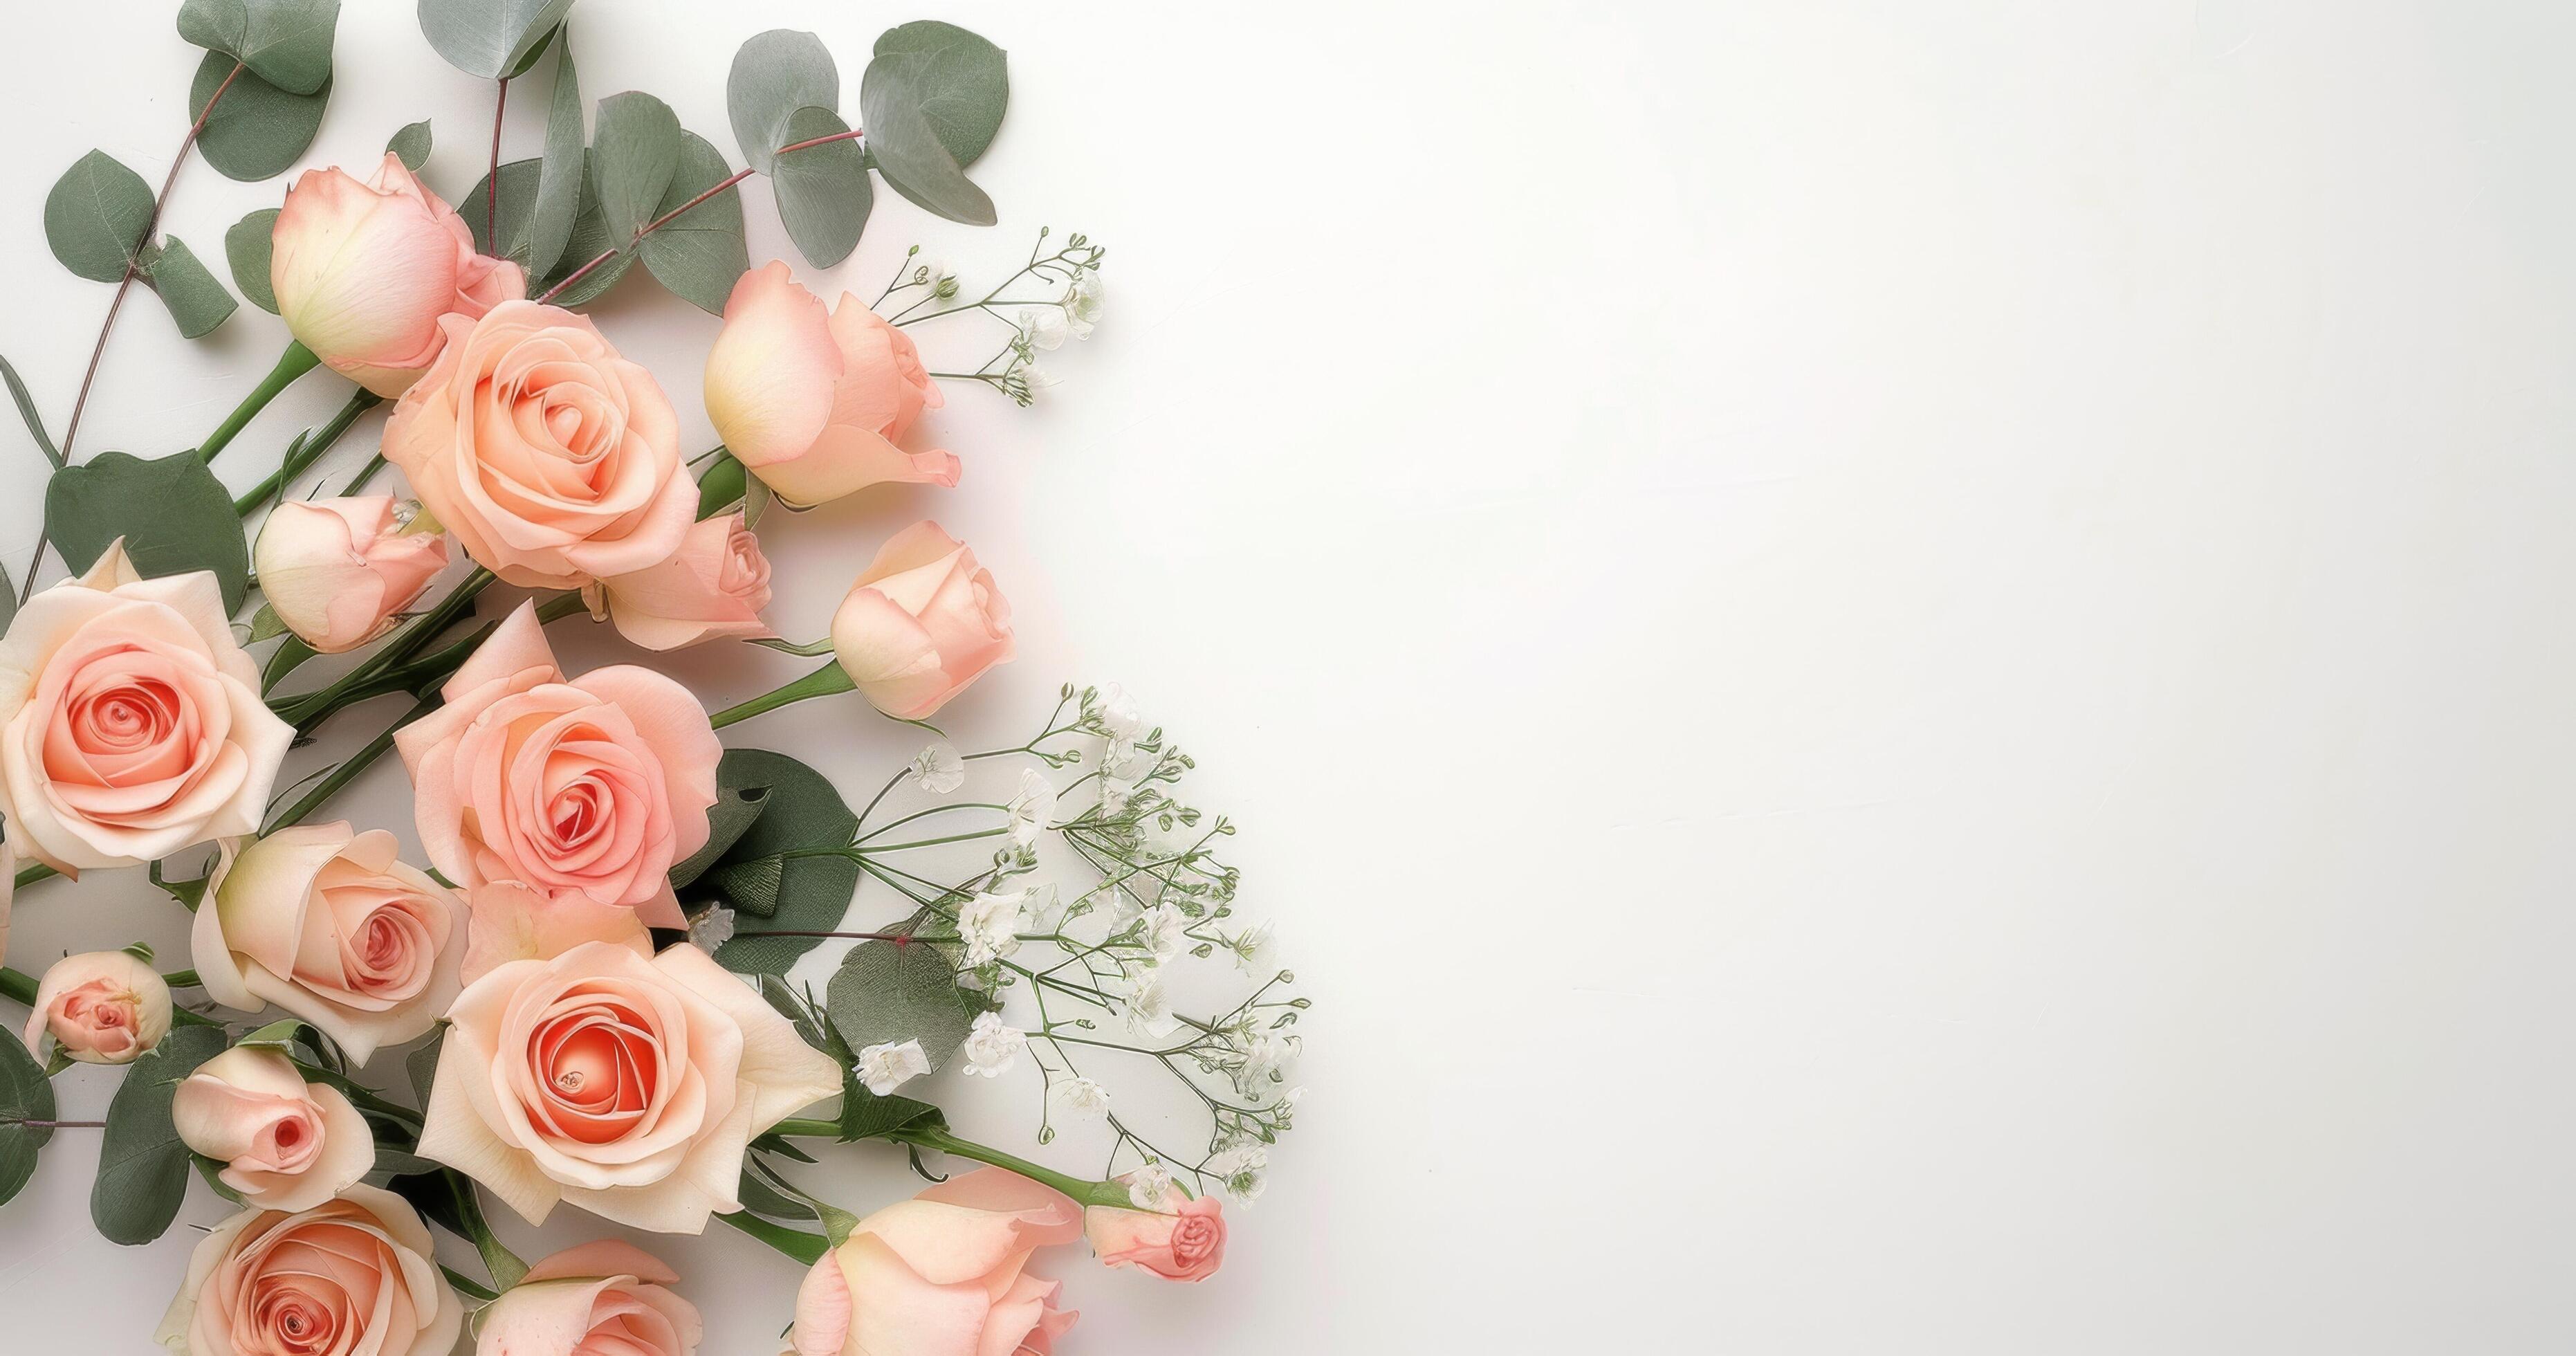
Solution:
(599, 1299)
(713, 589)
(355, 1276)
(364, 272)
(941, 1273)
(337, 571)
(326, 924)
(1185, 1245)
(103, 1007)
(923, 621)
(811, 401)
(286, 1144)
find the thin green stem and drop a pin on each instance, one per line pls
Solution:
(295, 362)
(796, 1243)
(314, 445)
(349, 769)
(822, 682)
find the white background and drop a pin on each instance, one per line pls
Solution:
(1899, 671)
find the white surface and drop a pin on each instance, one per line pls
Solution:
(1899, 671)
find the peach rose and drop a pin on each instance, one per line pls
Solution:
(364, 272)
(286, 1144)
(812, 401)
(600, 1299)
(8, 891)
(131, 724)
(513, 922)
(591, 786)
(940, 1275)
(1186, 1244)
(551, 458)
(713, 589)
(627, 1086)
(349, 1277)
(923, 621)
(102, 1007)
(328, 925)
(336, 571)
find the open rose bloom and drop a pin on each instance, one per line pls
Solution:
(353, 1276)
(285, 1144)
(101, 1007)
(714, 589)
(599, 1299)
(814, 401)
(131, 723)
(364, 272)
(923, 621)
(629, 1087)
(587, 788)
(942, 1275)
(339, 571)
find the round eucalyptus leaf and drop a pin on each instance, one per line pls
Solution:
(142, 1165)
(174, 515)
(634, 152)
(702, 252)
(964, 80)
(559, 181)
(790, 893)
(247, 247)
(907, 147)
(197, 302)
(411, 145)
(886, 993)
(774, 75)
(96, 216)
(590, 235)
(257, 130)
(823, 191)
(489, 38)
(25, 1095)
(285, 42)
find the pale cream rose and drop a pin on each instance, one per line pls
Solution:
(942, 1274)
(285, 1144)
(714, 589)
(923, 621)
(329, 925)
(101, 1007)
(339, 572)
(629, 1087)
(354, 1276)
(599, 1299)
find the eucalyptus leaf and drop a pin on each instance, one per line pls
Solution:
(392, 1162)
(528, 60)
(560, 177)
(634, 153)
(411, 145)
(278, 1035)
(728, 819)
(27, 411)
(96, 216)
(8, 598)
(775, 74)
(701, 253)
(886, 993)
(865, 1115)
(257, 130)
(421, 1065)
(761, 1198)
(196, 300)
(25, 1095)
(965, 80)
(823, 191)
(248, 248)
(489, 38)
(907, 147)
(173, 514)
(284, 42)
(142, 1166)
(590, 237)
(813, 894)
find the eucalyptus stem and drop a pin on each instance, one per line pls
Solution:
(663, 220)
(822, 682)
(293, 363)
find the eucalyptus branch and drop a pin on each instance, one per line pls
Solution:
(663, 220)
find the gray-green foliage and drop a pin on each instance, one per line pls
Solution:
(634, 152)
(411, 145)
(173, 514)
(489, 38)
(248, 246)
(142, 1165)
(285, 42)
(886, 993)
(756, 875)
(25, 1095)
(964, 81)
(96, 217)
(561, 174)
(824, 196)
(256, 130)
(701, 252)
(774, 75)
(590, 235)
(197, 302)
(893, 99)
(27, 411)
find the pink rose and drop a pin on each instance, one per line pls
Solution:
(328, 925)
(364, 272)
(513, 922)
(590, 787)
(551, 458)
(350, 1277)
(813, 402)
(102, 1007)
(713, 589)
(131, 724)
(8, 891)
(336, 571)
(286, 1144)
(627, 1086)
(599, 1299)
(923, 621)
(940, 1275)
(1186, 1244)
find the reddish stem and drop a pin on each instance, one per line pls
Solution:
(492, 184)
(659, 222)
(64, 1125)
(898, 938)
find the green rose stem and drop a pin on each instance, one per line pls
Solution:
(309, 451)
(293, 363)
(822, 682)
(796, 1243)
(1083, 1190)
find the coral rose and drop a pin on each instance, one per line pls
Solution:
(923, 621)
(940, 1275)
(811, 401)
(364, 273)
(350, 1277)
(599, 1299)
(552, 459)
(101, 1007)
(336, 571)
(1185, 1244)
(590, 787)
(131, 724)
(328, 925)
(285, 1144)
(713, 589)
(627, 1086)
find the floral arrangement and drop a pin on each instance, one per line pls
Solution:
(577, 1004)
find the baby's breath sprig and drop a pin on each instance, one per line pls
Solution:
(1068, 307)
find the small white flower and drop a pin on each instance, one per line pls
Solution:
(1042, 906)
(1078, 1099)
(1265, 1053)
(1166, 932)
(1032, 807)
(1118, 718)
(937, 769)
(1113, 795)
(990, 924)
(1150, 1009)
(1084, 298)
(1251, 945)
(1150, 1186)
(711, 929)
(992, 1048)
(1046, 326)
(1243, 1167)
(1034, 378)
(887, 1067)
